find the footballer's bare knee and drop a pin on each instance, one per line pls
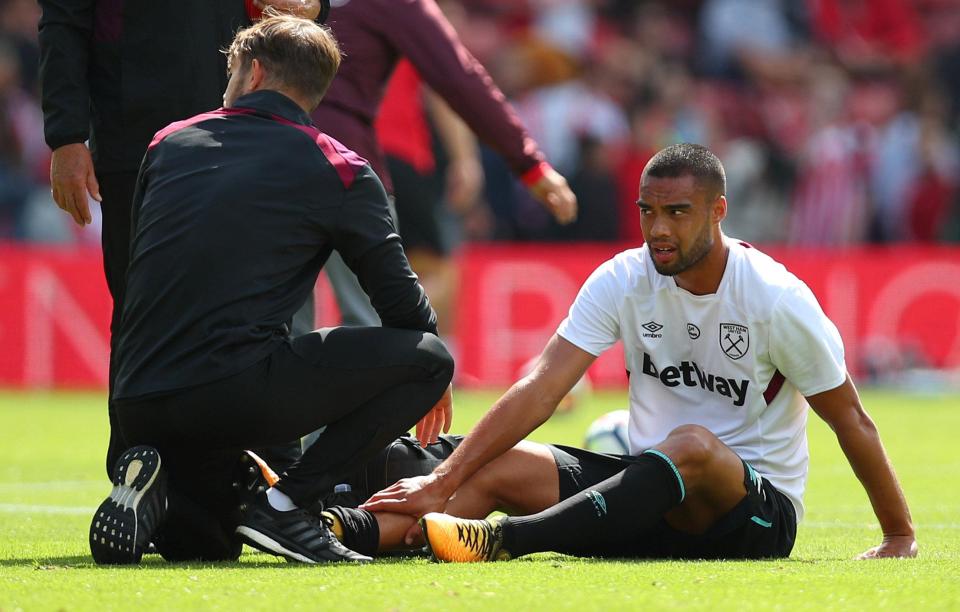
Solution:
(695, 451)
(689, 445)
(712, 475)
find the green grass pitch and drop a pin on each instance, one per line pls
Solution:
(51, 478)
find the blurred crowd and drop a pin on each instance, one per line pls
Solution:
(835, 119)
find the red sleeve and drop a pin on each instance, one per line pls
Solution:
(418, 29)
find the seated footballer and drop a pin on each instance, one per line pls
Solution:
(725, 349)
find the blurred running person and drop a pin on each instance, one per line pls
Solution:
(374, 35)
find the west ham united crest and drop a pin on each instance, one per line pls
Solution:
(734, 340)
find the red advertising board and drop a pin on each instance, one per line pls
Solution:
(897, 301)
(54, 318)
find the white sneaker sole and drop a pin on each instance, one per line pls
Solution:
(116, 523)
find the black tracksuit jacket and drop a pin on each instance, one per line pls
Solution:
(235, 213)
(116, 71)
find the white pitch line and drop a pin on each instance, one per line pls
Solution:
(845, 525)
(54, 484)
(38, 509)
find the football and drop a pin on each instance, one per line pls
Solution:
(608, 433)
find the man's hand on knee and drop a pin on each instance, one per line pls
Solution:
(414, 496)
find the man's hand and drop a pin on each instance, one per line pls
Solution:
(439, 418)
(464, 182)
(72, 181)
(308, 9)
(412, 496)
(893, 546)
(552, 191)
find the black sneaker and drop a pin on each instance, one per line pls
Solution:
(297, 535)
(125, 522)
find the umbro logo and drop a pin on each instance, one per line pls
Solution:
(652, 328)
(599, 503)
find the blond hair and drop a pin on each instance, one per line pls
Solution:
(295, 53)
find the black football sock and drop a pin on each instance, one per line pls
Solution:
(602, 517)
(360, 530)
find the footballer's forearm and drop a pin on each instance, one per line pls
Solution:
(527, 405)
(518, 412)
(861, 444)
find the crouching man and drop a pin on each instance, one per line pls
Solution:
(235, 213)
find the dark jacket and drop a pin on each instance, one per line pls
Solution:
(235, 213)
(117, 71)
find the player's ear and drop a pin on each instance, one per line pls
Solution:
(719, 208)
(255, 76)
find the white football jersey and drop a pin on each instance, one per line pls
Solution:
(738, 362)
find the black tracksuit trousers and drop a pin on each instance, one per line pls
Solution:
(366, 385)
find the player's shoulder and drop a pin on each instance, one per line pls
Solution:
(759, 279)
(312, 146)
(347, 164)
(627, 274)
(628, 267)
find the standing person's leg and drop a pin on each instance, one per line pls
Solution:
(116, 189)
(355, 307)
(304, 320)
(352, 300)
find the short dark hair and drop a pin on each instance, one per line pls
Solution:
(295, 53)
(696, 160)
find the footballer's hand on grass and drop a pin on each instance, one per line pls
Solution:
(73, 182)
(893, 546)
(438, 419)
(307, 9)
(553, 192)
